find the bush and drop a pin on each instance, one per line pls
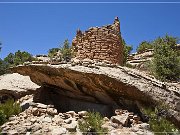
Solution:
(126, 51)
(18, 58)
(166, 62)
(2, 118)
(66, 51)
(3, 67)
(52, 52)
(10, 108)
(158, 123)
(143, 46)
(92, 124)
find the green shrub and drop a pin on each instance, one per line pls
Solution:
(166, 62)
(66, 51)
(126, 51)
(2, 118)
(129, 65)
(10, 108)
(92, 123)
(143, 46)
(52, 52)
(158, 123)
(3, 67)
(18, 58)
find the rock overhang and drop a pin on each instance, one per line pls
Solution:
(103, 85)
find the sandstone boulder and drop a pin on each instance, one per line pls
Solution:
(120, 119)
(15, 86)
(59, 131)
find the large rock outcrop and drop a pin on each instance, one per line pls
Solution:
(15, 86)
(103, 88)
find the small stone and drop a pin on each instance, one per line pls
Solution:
(72, 113)
(131, 120)
(131, 116)
(51, 111)
(13, 122)
(140, 133)
(114, 125)
(33, 120)
(135, 129)
(73, 64)
(136, 118)
(27, 124)
(118, 111)
(108, 126)
(12, 118)
(120, 119)
(71, 127)
(57, 119)
(35, 111)
(125, 111)
(82, 113)
(28, 128)
(50, 106)
(144, 126)
(106, 119)
(91, 66)
(59, 131)
(38, 132)
(36, 127)
(68, 121)
(85, 64)
(43, 106)
(28, 133)
(47, 119)
(12, 132)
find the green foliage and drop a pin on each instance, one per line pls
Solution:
(18, 58)
(129, 65)
(126, 51)
(166, 62)
(3, 67)
(159, 124)
(10, 108)
(143, 46)
(66, 50)
(92, 123)
(52, 52)
(13, 60)
(10, 58)
(2, 118)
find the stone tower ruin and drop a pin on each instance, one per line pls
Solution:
(100, 43)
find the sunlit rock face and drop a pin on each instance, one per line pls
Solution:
(101, 89)
(15, 86)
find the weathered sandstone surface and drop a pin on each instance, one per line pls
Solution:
(139, 61)
(101, 88)
(15, 86)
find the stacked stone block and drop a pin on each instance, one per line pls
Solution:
(100, 43)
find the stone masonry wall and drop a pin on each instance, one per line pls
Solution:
(100, 43)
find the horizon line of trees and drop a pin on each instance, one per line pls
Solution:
(14, 59)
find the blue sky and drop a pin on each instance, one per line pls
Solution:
(38, 27)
